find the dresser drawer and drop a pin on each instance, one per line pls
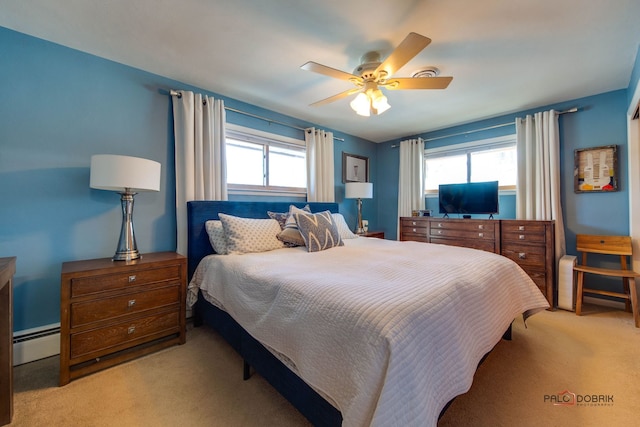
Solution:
(121, 280)
(485, 245)
(83, 313)
(411, 229)
(538, 276)
(106, 340)
(514, 226)
(464, 225)
(470, 233)
(524, 237)
(525, 255)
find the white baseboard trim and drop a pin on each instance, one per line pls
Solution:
(37, 343)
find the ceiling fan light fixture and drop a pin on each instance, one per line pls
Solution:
(361, 104)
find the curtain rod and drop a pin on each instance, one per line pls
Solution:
(570, 110)
(179, 95)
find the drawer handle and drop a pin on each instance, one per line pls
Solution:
(522, 255)
(439, 224)
(131, 330)
(480, 234)
(439, 231)
(413, 223)
(414, 230)
(132, 278)
(132, 302)
(480, 227)
(521, 227)
(521, 237)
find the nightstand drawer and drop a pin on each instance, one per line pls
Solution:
(110, 308)
(107, 282)
(96, 342)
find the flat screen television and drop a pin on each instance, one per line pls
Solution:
(469, 198)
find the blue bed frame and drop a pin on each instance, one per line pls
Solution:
(315, 408)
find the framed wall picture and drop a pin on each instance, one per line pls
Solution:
(354, 168)
(596, 169)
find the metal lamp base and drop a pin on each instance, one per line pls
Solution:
(127, 249)
(360, 228)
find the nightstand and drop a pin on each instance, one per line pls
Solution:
(114, 311)
(377, 234)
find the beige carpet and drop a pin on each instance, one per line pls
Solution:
(200, 383)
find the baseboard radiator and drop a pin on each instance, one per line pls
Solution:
(37, 343)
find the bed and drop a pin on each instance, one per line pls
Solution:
(387, 334)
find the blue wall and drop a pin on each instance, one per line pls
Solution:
(58, 107)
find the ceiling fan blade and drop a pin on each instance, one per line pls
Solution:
(328, 71)
(410, 47)
(336, 97)
(418, 83)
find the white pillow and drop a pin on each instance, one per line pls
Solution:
(216, 236)
(246, 235)
(343, 228)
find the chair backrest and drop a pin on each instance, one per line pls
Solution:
(609, 245)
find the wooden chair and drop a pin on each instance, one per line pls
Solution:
(609, 245)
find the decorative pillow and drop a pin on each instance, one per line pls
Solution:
(290, 234)
(245, 235)
(318, 231)
(281, 217)
(216, 236)
(343, 228)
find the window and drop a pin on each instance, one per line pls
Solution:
(264, 162)
(486, 160)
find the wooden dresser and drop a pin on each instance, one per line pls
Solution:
(114, 311)
(531, 244)
(471, 233)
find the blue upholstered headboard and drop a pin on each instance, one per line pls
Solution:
(198, 212)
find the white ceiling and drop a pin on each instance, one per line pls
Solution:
(504, 55)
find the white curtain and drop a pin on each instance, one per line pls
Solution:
(538, 184)
(201, 174)
(411, 177)
(320, 179)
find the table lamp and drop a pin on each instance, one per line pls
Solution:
(127, 176)
(359, 190)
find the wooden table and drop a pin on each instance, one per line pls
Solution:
(7, 270)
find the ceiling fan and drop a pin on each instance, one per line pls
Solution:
(373, 73)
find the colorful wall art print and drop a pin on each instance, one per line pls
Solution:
(596, 169)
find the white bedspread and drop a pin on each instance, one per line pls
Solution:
(390, 331)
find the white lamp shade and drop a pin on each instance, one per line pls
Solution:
(361, 104)
(359, 190)
(121, 173)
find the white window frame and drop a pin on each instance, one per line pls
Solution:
(243, 133)
(468, 148)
